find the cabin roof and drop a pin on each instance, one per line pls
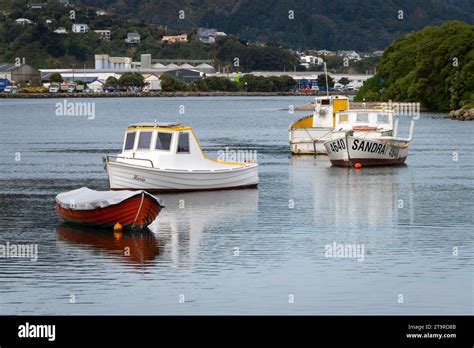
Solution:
(378, 111)
(175, 126)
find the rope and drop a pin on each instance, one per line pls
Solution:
(139, 208)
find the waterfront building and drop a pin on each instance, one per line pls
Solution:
(19, 73)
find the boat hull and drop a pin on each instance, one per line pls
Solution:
(123, 176)
(130, 212)
(349, 150)
(309, 141)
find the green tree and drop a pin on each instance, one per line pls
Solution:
(111, 82)
(56, 77)
(170, 84)
(131, 80)
(252, 83)
(434, 66)
(322, 81)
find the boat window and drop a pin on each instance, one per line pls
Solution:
(382, 118)
(362, 118)
(163, 141)
(129, 141)
(144, 141)
(325, 102)
(343, 118)
(183, 142)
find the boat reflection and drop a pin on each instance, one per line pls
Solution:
(133, 246)
(188, 218)
(341, 196)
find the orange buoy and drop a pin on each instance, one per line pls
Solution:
(118, 227)
(357, 165)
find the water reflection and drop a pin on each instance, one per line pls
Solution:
(136, 247)
(371, 196)
(189, 217)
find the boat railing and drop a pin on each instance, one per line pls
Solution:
(131, 158)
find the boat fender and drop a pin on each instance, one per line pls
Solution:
(118, 227)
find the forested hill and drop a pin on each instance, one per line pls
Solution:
(434, 66)
(330, 24)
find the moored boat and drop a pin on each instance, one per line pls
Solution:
(131, 209)
(308, 134)
(367, 137)
(164, 157)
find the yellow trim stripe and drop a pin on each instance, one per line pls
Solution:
(172, 129)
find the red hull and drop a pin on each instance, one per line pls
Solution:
(127, 213)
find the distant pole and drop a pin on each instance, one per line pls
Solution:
(73, 65)
(326, 73)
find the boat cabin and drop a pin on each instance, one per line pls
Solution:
(325, 109)
(365, 119)
(166, 146)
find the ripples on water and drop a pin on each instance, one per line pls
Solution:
(238, 251)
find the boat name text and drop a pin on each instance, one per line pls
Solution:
(139, 178)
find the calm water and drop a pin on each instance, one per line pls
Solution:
(243, 251)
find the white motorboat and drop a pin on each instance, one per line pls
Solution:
(164, 157)
(367, 137)
(308, 134)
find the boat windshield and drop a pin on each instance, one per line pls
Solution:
(163, 141)
(144, 141)
(129, 141)
(183, 143)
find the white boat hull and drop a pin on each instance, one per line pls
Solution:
(309, 141)
(349, 150)
(126, 176)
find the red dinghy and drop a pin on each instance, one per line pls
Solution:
(106, 208)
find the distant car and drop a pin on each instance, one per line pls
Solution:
(54, 88)
(71, 88)
(111, 89)
(11, 89)
(315, 88)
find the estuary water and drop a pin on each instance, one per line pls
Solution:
(254, 251)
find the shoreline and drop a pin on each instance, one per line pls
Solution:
(158, 94)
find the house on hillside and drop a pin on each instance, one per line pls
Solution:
(307, 61)
(175, 38)
(104, 34)
(326, 53)
(351, 55)
(80, 28)
(133, 38)
(208, 36)
(37, 5)
(23, 21)
(61, 30)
